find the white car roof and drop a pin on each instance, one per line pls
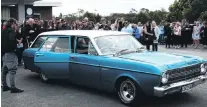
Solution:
(88, 33)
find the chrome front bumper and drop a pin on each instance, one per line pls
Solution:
(177, 87)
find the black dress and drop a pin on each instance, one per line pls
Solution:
(168, 34)
(205, 36)
(148, 38)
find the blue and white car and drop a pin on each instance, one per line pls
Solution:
(113, 61)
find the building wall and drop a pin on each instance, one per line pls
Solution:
(5, 13)
(45, 12)
(14, 12)
(8, 12)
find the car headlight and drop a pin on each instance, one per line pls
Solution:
(165, 77)
(203, 68)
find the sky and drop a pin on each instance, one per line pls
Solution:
(106, 7)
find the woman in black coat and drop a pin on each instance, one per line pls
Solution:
(168, 35)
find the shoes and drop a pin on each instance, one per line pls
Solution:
(16, 90)
(5, 88)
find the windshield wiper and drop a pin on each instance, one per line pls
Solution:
(119, 52)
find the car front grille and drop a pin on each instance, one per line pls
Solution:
(179, 74)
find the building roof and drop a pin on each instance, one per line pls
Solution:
(14, 2)
(88, 33)
(47, 3)
(32, 2)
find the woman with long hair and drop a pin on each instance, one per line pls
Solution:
(156, 34)
(147, 35)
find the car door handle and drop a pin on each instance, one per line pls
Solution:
(39, 54)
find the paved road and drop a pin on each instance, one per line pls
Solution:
(64, 94)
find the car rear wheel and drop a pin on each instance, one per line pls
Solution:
(43, 77)
(128, 92)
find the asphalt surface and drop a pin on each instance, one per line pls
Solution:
(62, 93)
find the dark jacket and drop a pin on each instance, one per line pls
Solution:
(167, 31)
(8, 40)
(85, 28)
(33, 35)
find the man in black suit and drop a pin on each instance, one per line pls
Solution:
(31, 31)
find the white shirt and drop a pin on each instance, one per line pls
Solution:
(196, 30)
(177, 30)
(140, 30)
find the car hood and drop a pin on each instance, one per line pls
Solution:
(163, 60)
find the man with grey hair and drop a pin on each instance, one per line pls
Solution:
(30, 32)
(85, 24)
(10, 60)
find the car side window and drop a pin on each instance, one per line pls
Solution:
(47, 46)
(72, 40)
(61, 45)
(39, 41)
(84, 46)
(91, 49)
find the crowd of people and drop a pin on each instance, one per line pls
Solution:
(183, 34)
(174, 34)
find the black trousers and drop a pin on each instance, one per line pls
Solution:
(19, 53)
(168, 41)
(154, 46)
(177, 40)
(141, 40)
(148, 43)
(205, 40)
(184, 41)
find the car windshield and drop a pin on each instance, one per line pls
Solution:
(117, 43)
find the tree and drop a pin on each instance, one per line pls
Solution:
(176, 11)
(60, 15)
(188, 9)
(133, 10)
(144, 10)
(80, 12)
(203, 16)
(142, 17)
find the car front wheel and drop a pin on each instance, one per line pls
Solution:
(128, 92)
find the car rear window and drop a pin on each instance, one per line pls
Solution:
(39, 42)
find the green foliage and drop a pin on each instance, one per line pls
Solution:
(203, 16)
(188, 9)
(60, 16)
(181, 9)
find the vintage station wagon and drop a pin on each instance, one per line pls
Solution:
(113, 61)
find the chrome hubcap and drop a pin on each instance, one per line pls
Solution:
(44, 77)
(127, 91)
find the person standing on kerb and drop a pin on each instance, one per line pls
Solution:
(10, 60)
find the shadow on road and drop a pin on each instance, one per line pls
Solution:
(173, 100)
